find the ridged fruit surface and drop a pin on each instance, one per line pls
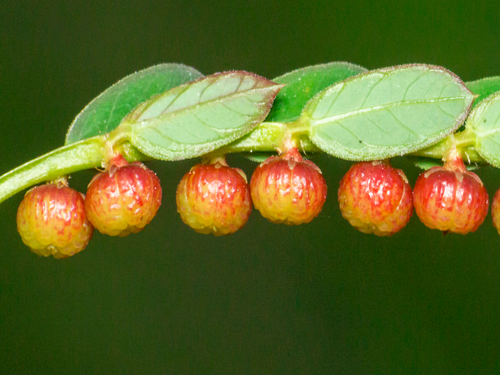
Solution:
(450, 198)
(287, 189)
(123, 200)
(214, 198)
(51, 221)
(375, 198)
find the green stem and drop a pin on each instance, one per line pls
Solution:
(64, 160)
(269, 137)
(86, 154)
(464, 141)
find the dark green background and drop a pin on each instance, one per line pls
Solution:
(316, 299)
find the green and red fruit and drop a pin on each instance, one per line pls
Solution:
(123, 199)
(214, 198)
(450, 198)
(51, 221)
(375, 198)
(288, 189)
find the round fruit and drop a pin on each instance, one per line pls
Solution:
(123, 199)
(375, 198)
(450, 198)
(214, 198)
(287, 189)
(51, 221)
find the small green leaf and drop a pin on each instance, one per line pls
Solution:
(484, 87)
(427, 163)
(302, 84)
(196, 118)
(387, 112)
(105, 112)
(484, 122)
(258, 157)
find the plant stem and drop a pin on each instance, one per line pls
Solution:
(64, 160)
(464, 142)
(269, 136)
(86, 154)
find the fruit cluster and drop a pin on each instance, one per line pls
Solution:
(377, 198)
(212, 197)
(54, 219)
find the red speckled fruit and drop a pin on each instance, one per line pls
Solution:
(214, 198)
(375, 198)
(450, 198)
(123, 199)
(495, 210)
(51, 221)
(287, 189)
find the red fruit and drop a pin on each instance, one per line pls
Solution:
(287, 189)
(51, 221)
(450, 198)
(214, 198)
(495, 210)
(123, 199)
(375, 198)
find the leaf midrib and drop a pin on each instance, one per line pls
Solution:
(382, 107)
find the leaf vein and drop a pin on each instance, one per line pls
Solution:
(398, 121)
(378, 126)
(336, 98)
(410, 85)
(380, 79)
(114, 104)
(498, 118)
(219, 131)
(225, 105)
(442, 110)
(239, 85)
(174, 100)
(356, 138)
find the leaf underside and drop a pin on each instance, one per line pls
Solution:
(484, 121)
(196, 118)
(387, 112)
(106, 111)
(302, 84)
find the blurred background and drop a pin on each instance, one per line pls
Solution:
(320, 298)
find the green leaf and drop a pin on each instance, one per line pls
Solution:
(427, 163)
(387, 112)
(484, 87)
(484, 122)
(302, 84)
(105, 112)
(258, 157)
(196, 118)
